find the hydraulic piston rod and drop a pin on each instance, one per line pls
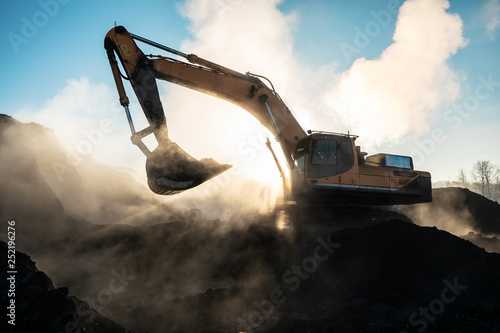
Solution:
(158, 45)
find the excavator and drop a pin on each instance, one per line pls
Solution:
(325, 167)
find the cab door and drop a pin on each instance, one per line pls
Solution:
(324, 158)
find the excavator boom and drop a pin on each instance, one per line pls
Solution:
(169, 165)
(244, 90)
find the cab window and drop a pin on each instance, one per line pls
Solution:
(324, 152)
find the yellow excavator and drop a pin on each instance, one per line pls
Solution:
(325, 167)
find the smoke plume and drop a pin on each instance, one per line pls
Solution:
(396, 94)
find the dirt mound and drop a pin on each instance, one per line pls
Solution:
(40, 177)
(457, 210)
(490, 244)
(184, 272)
(39, 307)
(484, 212)
(25, 194)
(464, 213)
(380, 277)
(184, 276)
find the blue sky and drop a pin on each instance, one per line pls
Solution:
(67, 44)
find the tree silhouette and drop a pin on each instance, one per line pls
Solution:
(486, 175)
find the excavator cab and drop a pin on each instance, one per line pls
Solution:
(329, 168)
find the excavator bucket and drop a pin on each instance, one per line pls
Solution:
(171, 170)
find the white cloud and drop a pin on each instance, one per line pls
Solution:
(387, 98)
(88, 122)
(245, 36)
(397, 94)
(492, 13)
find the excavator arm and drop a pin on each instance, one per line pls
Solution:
(325, 167)
(170, 169)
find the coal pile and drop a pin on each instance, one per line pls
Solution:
(490, 244)
(466, 208)
(391, 276)
(383, 278)
(463, 213)
(367, 270)
(39, 307)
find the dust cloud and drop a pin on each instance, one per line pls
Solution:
(410, 81)
(88, 224)
(458, 211)
(456, 220)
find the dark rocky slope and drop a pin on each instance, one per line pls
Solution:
(41, 308)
